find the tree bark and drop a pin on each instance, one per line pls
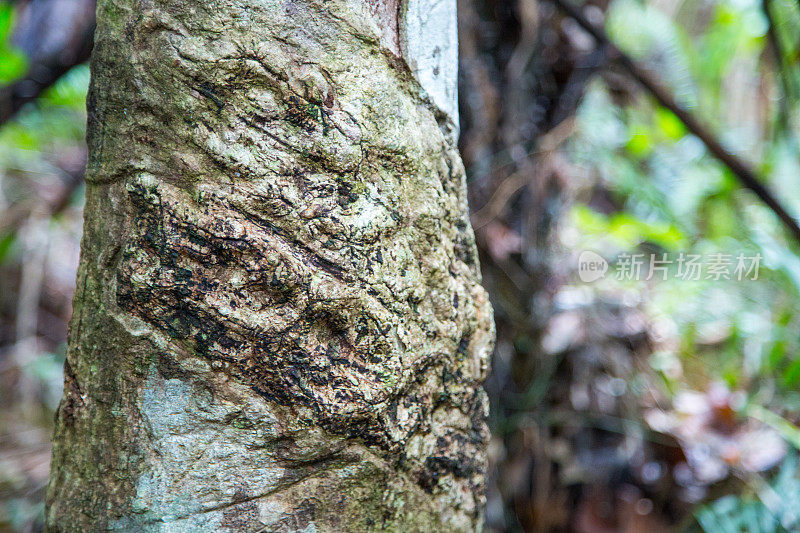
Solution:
(278, 324)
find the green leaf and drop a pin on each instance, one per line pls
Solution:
(70, 90)
(6, 244)
(787, 430)
(791, 375)
(640, 142)
(13, 64)
(669, 124)
(627, 230)
(6, 20)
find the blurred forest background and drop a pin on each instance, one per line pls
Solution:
(617, 406)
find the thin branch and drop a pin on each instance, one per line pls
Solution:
(741, 169)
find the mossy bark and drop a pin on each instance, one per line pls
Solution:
(278, 324)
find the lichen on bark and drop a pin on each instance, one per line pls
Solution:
(279, 323)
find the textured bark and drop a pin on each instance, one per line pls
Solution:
(278, 323)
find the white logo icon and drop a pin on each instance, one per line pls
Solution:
(591, 266)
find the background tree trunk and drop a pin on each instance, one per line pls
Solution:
(278, 323)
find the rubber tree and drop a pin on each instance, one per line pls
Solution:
(278, 322)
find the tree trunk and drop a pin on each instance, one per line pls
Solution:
(278, 324)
